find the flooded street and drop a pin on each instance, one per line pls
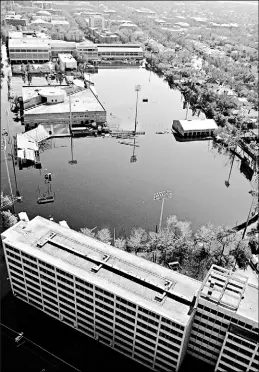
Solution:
(105, 189)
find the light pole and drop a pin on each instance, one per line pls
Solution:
(162, 195)
(137, 89)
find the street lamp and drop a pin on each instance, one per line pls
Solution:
(162, 195)
(137, 89)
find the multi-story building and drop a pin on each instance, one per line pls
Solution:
(225, 328)
(137, 307)
(29, 50)
(90, 50)
(50, 106)
(120, 51)
(15, 20)
(60, 46)
(96, 21)
(147, 312)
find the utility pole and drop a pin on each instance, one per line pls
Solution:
(8, 174)
(70, 115)
(162, 195)
(12, 154)
(227, 182)
(137, 89)
(248, 217)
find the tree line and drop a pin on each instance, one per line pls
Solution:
(177, 246)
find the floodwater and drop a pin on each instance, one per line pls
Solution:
(105, 189)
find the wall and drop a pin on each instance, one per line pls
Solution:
(33, 120)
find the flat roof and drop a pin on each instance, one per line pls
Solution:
(231, 290)
(66, 57)
(120, 272)
(81, 101)
(29, 42)
(110, 49)
(198, 124)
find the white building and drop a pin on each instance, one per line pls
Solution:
(195, 128)
(120, 51)
(29, 50)
(96, 21)
(66, 62)
(90, 50)
(137, 307)
(225, 328)
(145, 311)
(51, 105)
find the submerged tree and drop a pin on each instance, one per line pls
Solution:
(120, 243)
(8, 219)
(104, 235)
(88, 232)
(137, 239)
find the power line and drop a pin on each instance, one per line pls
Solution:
(27, 339)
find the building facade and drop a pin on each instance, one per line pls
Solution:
(48, 105)
(195, 128)
(120, 51)
(90, 50)
(147, 312)
(225, 328)
(96, 21)
(29, 50)
(105, 293)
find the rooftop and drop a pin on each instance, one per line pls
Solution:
(198, 124)
(145, 283)
(29, 43)
(231, 290)
(66, 58)
(126, 49)
(82, 100)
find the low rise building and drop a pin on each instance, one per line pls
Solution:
(15, 20)
(61, 47)
(29, 50)
(51, 104)
(120, 51)
(67, 62)
(87, 49)
(63, 24)
(195, 128)
(128, 26)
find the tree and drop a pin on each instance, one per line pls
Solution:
(137, 239)
(8, 219)
(120, 243)
(6, 201)
(88, 232)
(242, 254)
(104, 235)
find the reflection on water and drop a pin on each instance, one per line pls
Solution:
(104, 182)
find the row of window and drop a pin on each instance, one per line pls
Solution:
(203, 333)
(236, 356)
(13, 50)
(202, 348)
(241, 342)
(232, 363)
(173, 324)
